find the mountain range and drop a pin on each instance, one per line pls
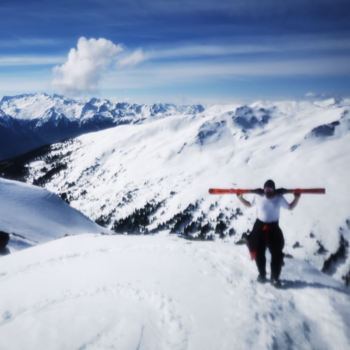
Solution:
(32, 120)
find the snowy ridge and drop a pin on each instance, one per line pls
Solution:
(55, 118)
(155, 176)
(32, 215)
(36, 106)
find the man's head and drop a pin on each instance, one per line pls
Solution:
(269, 189)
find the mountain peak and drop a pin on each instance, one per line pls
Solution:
(55, 118)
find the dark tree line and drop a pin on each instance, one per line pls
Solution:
(18, 168)
(182, 223)
(339, 255)
(137, 222)
(42, 180)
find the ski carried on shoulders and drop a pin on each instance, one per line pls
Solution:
(279, 191)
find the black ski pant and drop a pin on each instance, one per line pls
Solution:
(4, 239)
(267, 236)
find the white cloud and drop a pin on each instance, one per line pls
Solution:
(321, 96)
(207, 51)
(28, 42)
(85, 65)
(311, 94)
(272, 45)
(135, 58)
(30, 60)
(168, 73)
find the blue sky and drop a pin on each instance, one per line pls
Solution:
(176, 51)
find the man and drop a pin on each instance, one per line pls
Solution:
(266, 231)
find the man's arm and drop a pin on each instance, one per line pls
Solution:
(245, 202)
(295, 201)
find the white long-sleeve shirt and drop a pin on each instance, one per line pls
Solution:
(268, 210)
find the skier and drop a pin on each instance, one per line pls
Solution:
(266, 231)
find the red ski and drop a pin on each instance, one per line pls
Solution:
(260, 191)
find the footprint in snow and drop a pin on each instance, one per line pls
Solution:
(6, 316)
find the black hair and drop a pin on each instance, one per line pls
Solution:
(270, 183)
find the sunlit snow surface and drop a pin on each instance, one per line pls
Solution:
(162, 292)
(176, 159)
(94, 291)
(36, 215)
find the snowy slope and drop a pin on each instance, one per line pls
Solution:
(161, 292)
(94, 291)
(33, 215)
(170, 163)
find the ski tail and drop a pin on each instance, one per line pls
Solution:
(302, 190)
(311, 190)
(233, 191)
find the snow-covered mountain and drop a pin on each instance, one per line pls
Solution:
(154, 176)
(32, 215)
(39, 119)
(159, 291)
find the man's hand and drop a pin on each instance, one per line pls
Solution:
(240, 197)
(295, 201)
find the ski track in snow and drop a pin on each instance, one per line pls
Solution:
(154, 292)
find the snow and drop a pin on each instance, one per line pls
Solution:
(41, 106)
(34, 215)
(43, 119)
(161, 292)
(188, 154)
(34, 106)
(175, 159)
(98, 291)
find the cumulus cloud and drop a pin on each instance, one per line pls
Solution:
(83, 70)
(135, 58)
